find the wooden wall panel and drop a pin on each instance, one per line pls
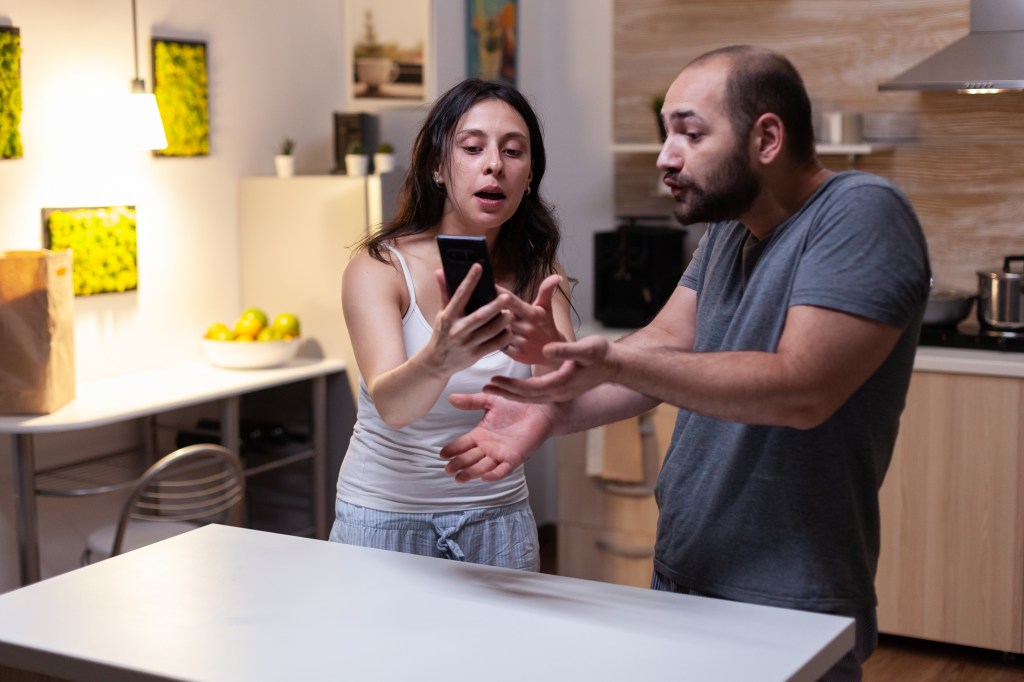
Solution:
(959, 158)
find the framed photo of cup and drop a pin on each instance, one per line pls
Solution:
(386, 53)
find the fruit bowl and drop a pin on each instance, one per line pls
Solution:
(249, 354)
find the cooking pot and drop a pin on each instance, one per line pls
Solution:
(947, 307)
(1000, 299)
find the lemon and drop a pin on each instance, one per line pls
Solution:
(258, 314)
(248, 325)
(219, 331)
(266, 334)
(286, 326)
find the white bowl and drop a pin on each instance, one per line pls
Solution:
(249, 354)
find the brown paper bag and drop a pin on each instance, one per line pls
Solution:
(37, 331)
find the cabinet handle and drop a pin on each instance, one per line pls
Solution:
(628, 552)
(625, 489)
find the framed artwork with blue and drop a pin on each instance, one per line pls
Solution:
(492, 39)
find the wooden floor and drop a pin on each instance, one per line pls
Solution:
(911, 660)
(897, 659)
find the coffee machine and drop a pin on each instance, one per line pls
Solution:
(636, 268)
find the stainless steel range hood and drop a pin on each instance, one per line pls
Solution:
(988, 59)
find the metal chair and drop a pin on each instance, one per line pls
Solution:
(190, 487)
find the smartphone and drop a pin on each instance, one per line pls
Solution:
(457, 256)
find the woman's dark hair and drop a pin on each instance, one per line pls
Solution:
(762, 81)
(527, 243)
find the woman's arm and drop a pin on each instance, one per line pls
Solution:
(405, 388)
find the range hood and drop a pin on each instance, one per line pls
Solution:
(988, 59)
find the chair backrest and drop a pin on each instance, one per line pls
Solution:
(202, 483)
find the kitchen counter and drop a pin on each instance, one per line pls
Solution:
(968, 361)
(224, 604)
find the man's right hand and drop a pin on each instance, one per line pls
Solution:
(503, 440)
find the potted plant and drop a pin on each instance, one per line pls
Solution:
(384, 158)
(284, 162)
(357, 162)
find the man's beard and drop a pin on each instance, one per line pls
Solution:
(728, 193)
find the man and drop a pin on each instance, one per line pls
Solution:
(788, 348)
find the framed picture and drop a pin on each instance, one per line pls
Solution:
(386, 53)
(491, 39)
(10, 93)
(182, 94)
(103, 245)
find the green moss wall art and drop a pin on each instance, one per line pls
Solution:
(10, 93)
(182, 94)
(103, 245)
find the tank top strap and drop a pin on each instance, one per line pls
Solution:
(405, 271)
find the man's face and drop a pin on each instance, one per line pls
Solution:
(706, 164)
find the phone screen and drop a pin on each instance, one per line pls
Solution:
(457, 256)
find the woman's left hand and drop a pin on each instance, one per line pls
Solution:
(533, 325)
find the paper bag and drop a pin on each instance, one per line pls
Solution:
(37, 341)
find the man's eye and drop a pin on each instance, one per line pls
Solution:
(694, 136)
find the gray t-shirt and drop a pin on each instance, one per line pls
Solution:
(776, 515)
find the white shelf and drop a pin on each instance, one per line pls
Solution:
(863, 149)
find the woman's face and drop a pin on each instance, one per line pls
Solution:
(489, 169)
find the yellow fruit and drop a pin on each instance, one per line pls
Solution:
(219, 331)
(248, 325)
(245, 337)
(258, 314)
(266, 334)
(286, 326)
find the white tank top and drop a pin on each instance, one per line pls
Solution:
(401, 470)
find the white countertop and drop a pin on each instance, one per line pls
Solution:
(106, 401)
(225, 604)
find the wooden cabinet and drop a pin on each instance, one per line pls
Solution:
(607, 516)
(952, 559)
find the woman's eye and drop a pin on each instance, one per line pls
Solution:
(471, 149)
(514, 153)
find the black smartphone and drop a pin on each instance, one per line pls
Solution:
(457, 256)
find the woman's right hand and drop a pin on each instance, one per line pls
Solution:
(460, 340)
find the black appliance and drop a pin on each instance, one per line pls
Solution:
(350, 128)
(971, 335)
(636, 268)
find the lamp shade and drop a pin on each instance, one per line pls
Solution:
(145, 127)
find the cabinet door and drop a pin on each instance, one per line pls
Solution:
(952, 543)
(606, 528)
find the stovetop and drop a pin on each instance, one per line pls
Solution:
(971, 335)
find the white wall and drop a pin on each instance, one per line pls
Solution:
(275, 70)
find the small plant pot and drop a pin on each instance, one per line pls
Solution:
(383, 163)
(357, 164)
(285, 165)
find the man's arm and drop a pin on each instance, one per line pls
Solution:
(823, 357)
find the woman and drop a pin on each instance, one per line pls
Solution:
(476, 169)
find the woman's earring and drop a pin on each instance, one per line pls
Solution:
(527, 192)
(437, 180)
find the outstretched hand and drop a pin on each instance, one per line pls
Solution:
(503, 440)
(585, 364)
(533, 326)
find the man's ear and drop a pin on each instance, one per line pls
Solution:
(768, 137)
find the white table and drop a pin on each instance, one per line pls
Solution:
(225, 604)
(141, 394)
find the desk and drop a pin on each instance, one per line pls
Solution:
(225, 604)
(141, 394)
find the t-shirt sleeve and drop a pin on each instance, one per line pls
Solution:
(866, 256)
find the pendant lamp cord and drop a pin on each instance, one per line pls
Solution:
(135, 39)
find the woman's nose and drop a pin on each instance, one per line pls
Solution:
(493, 164)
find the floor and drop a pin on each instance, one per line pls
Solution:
(897, 659)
